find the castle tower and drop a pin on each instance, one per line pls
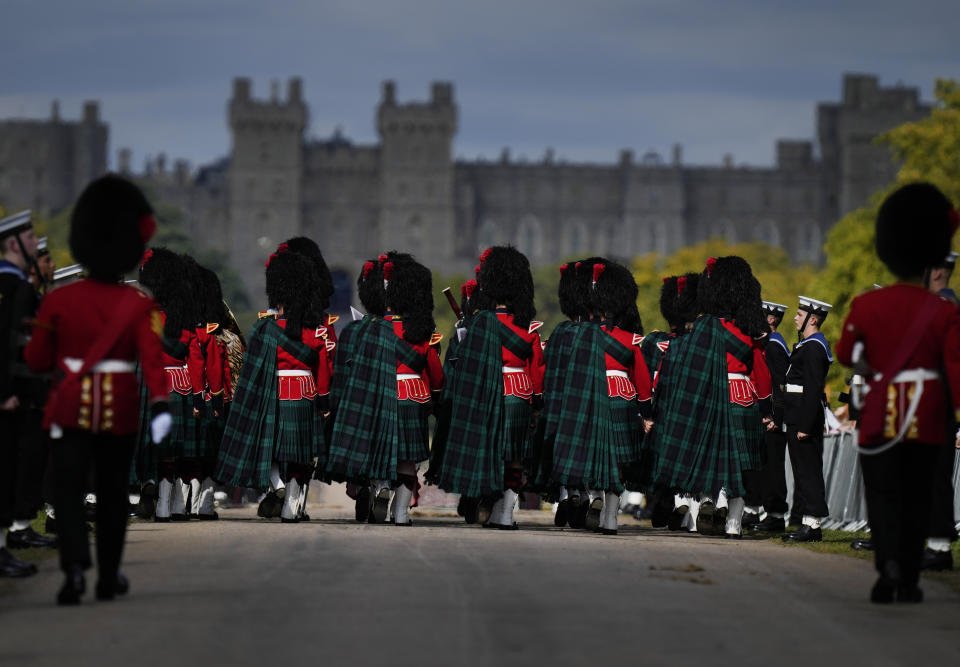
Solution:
(266, 177)
(853, 166)
(417, 175)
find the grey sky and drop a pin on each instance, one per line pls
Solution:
(585, 78)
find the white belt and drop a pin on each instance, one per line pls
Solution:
(175, 368)
(916, 375)
(618, 374)
(102, 366)
(294, 374)
(408, 376)
(794, 388)
(512, 369)
(738, 376)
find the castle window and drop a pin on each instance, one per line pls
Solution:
(530, 237)
(415, 230)
(486, 235)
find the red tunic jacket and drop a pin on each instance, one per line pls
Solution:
(317, 383)
(534, 365)
(70, 320)
(879, 319)
(759, 386)
(431, 377)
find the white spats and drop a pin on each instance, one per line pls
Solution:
(194, 496)
(938, 544)
(509, 505)
(275, 481)
(164, 496)
(178, 503)
(496, 512)
(734, 516)
(401, 503)
(291, 502)
(811, 521)
(21, 524)
(206, 504)
(611, 511)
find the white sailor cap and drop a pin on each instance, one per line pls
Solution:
(814, 306)
(772, 308)
(15, 223)
(67, 272)
(42, 248)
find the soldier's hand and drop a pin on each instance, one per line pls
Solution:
(11, 403)
(196, 412)
(647, 425)
(802, 436)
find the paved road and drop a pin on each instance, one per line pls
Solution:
(332, 592)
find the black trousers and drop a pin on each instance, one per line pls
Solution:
(898, 491)
(109, 456)
(9, 430)
(942, 521)
(32, 456)
(774, 476)
(806, 457)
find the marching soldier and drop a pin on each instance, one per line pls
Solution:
(803, 417)
(92, 334)
(913, 373)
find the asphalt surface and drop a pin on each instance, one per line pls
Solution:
(245, 590)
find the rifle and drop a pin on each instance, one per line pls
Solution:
(453, 303)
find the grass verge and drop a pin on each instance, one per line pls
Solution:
(838, 542)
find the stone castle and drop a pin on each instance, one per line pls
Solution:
(408, 192)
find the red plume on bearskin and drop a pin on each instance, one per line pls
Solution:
(382, 259)
(577, 266)
(476, 270)
(563, 268)
(681, 285)
(598, 270)
(469, 288)
(666, 279)
(484, 255)
(387, 271)
(147, 254)
(711, 262)
(367, 268)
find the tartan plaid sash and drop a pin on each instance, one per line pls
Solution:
(697, 443)
(296, 347)
(622, 354)
(409, 357)
(176, 348)
(363, 443)
(583, 446)
(473, 460)
(511, 340)
(248, 438)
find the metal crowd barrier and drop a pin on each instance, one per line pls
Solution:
(844, 483)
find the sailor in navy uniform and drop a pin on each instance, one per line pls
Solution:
(938, 555)
(803, 417)
(773, 477)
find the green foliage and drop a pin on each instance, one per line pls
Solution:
(929, 150)
(781, 281)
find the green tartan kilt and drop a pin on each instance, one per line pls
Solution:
(297, 432)
(752, 451)
(516, 429)
(212, 427)
(186, 438)
(413, 432)
(627, 429)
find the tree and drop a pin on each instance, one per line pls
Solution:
(929, 150)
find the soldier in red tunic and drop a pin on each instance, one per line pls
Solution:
(92, 334)
(913, 371)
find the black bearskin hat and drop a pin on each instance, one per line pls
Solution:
(213, 309)
(370, 288)
(198, 291)
(582, 290)
(504, 277)
(309, 249)
(687, 304)
(409, 292)
(914, 227)
(291, 284)
(164, 273)
(571, 301)
(616, 292)
(110, 226)
(728, 289)
(668, 302)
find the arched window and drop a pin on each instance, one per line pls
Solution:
(768, 232)
(529, 239)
